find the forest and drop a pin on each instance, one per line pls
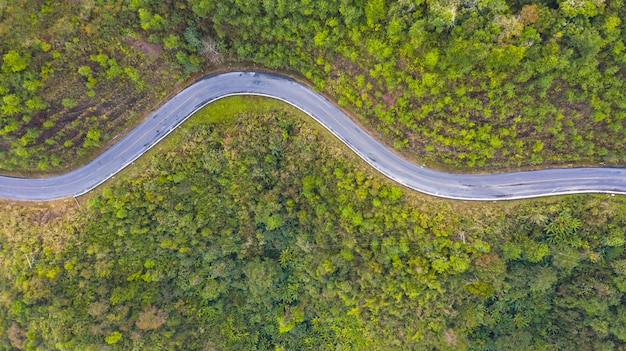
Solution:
(463, 85)
(252, 228)
(258, 231)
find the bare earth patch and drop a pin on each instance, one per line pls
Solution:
(153, 51)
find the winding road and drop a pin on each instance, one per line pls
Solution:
(498, 186)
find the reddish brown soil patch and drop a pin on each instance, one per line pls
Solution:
(148, 49)
(388, 100)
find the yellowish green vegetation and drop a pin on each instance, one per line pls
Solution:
(257, 232)
(223, 110)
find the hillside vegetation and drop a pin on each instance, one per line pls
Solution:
(262, 233)
(467, 84)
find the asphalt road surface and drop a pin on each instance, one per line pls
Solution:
(498, 186)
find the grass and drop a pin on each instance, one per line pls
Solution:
(223, 110)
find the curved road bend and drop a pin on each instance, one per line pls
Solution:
(499, 186)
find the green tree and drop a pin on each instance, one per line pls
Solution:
(375, 12)
(113, 338)
(11, 104)
(16, 62)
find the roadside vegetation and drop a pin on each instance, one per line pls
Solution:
(258, 232)
(457, 84)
